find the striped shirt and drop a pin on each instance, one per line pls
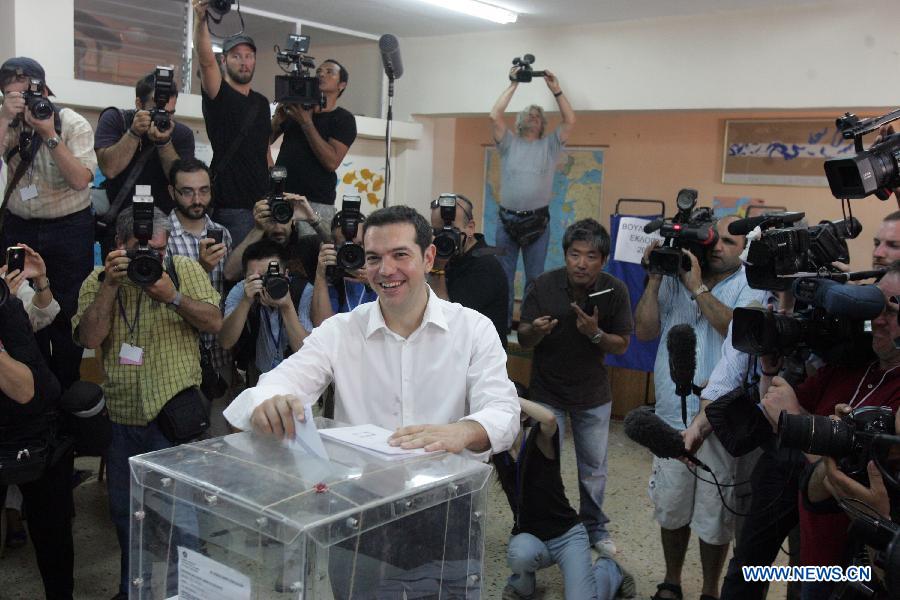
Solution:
(171, 357)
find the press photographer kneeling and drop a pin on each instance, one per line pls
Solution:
(145, 311)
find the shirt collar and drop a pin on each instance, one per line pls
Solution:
(434, 314)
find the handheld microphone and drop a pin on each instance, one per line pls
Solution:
(681, 343)
(644, 427)
(390, 56)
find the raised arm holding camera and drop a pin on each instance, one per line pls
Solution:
(37, 298)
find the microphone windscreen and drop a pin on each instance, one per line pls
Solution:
(745, 226)
(681, 343)
(389, 46)
(644, 427)
(653, 225)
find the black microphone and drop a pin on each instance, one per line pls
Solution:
(682, 346)
(644, 427)
(390, 56)
(748, 224)
(653, 225)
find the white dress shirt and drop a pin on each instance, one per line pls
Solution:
(452, 367)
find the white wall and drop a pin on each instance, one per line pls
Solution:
(834, 55)
(363, 62)
(7, 29)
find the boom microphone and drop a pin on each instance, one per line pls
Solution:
(682, 346)
(390, 56)
(644, 427)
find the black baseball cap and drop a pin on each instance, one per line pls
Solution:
(236, 40)
(24, 66)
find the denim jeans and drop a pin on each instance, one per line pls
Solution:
(128, 441)
(571, 551)
(533, 255)
(590, 428)
(238, 221)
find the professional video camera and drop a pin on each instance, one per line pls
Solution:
(40, 107)
(145, 265)
(873, 171)
(784, 252)
(276, 284)
(219, 7)
(282, 210)
(882, 536)
(525, 73)
(300, 85)
(350, 255)
(162, 92)
(449, 239)
(690, 229)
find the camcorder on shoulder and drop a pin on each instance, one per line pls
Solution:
(162, 92)
(448, 240)
(350, 255)
(873, 171)
(526, 72)
(145, 266)
(691, 229)
(280, 208)
(300, 85)
(276, 283)
(40, 107)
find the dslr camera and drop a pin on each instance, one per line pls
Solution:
(350, 255)
(873, 171)
(448, 240)
(691, 229)
(144, 266)
(282, 210)
(276, 283)
(300, 85)
(526, 72)
(40, 107)
(162, 93)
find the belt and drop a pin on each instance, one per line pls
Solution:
(38, 221)
(526, 213)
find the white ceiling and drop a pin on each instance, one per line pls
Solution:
(412, 18)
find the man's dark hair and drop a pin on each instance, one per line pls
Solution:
(145, 86)
(344, 73)
(590, 231)
(186, 165)
(262, 249)
(402, 214)
(894, 216)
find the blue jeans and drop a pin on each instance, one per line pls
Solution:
(128, 441)
(238, 221)
(571, 551)
(590, 428)
(533, 255)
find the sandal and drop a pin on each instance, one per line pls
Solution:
(667, 587)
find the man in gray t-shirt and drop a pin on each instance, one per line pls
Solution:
(529, 160)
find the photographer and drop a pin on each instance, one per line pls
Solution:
(703, 298)
(268, 327)
(51, 165)
(529, 161)
(123, 139)
(316, 140)
(28, 398)
(472, 276)
(149, 338)
(237, 124)
(823, 531)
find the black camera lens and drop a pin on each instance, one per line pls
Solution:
(815, 434)
(145, 267)
(281, 210)
(446, 242)
(351, 256)
(220, 6)
(161, 119)
(277, 286)
(41, 108)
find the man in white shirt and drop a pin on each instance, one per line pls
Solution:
(433, 371)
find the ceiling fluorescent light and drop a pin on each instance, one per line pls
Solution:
(478, 9)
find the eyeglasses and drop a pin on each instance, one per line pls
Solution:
(189, 193)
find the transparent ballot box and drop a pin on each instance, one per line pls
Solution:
(251, 517)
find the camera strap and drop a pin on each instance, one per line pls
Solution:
(237, 141)
(128, 185)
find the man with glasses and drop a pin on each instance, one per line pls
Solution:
(316, 140)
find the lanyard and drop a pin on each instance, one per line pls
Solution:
(276, 353)
(132, 327)
(362, 292)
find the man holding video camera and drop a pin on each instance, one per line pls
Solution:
(46, 205)
(237, 124)
(529, 157)
(466, 269)
(149, 338)
(702, 297)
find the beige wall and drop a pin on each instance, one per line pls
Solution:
(654, 154)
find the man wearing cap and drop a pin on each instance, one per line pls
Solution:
(237, 123)
(46, 203)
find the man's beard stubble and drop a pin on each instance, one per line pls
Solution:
(238, 77)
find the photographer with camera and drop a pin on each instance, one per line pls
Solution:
(465, 268)
(262, 319)
(237, 124)
(529, 159)
(316, 140)
(138, 146)
(46, 204)
(146, 318)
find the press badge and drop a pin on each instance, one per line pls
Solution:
(131, 355)
(28, 193)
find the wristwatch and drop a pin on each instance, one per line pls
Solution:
(700, 290)
(597, 337)
(176, 301)
(53, 142)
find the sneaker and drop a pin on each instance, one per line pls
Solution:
(510, 593)
(606, 547)
(628, 588)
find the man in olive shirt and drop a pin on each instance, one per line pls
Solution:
(149, 340)
(572, 317)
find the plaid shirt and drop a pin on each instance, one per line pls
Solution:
(184, 243)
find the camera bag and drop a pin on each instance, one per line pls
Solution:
(528, 229)
(185, 417)
(27, 450)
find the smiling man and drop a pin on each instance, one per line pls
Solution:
(437, 369)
